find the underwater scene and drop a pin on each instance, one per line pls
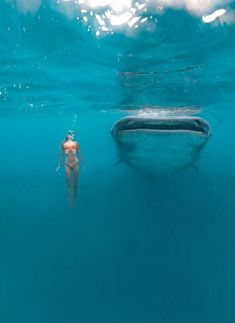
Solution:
(117, 199)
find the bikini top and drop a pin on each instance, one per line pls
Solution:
(70, 146)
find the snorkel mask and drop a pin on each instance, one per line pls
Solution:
(70, 133)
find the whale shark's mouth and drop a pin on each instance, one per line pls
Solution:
(134, 123)
(160, 144)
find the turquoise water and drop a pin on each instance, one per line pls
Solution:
(134, 249)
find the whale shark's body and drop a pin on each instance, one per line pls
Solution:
(160, 144)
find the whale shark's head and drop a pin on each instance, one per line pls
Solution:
(160, 144)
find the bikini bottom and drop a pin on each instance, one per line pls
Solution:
(71, 165)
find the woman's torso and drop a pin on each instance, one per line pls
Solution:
(70, 148)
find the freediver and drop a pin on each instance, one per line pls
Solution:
(71, 150)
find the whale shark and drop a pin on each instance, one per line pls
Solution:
(160, 145)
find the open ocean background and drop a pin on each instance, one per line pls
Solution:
(134, 249)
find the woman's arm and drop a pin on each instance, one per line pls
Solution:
(60, 158)
(79, 153)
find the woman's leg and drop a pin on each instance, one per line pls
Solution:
(75, 179)
(69, 182)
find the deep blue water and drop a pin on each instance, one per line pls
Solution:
(134, 249)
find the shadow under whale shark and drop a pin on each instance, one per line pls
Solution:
(159, 145)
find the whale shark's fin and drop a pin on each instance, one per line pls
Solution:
(118, 162)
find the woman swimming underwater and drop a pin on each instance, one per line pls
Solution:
(70, 148)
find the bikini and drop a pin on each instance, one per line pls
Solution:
(70, 147)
